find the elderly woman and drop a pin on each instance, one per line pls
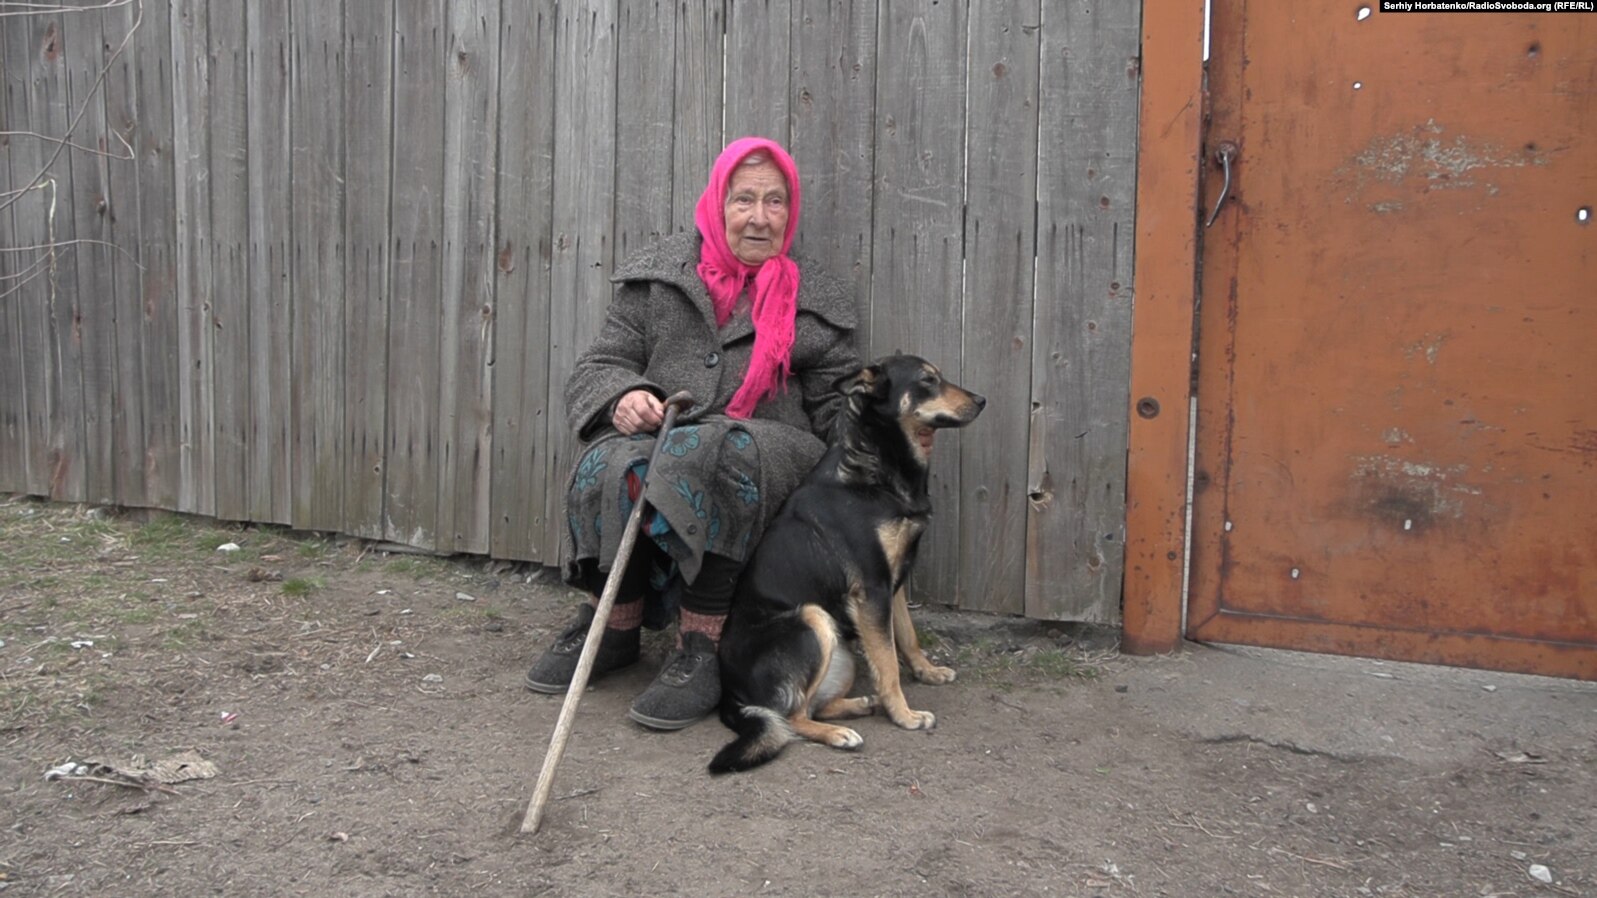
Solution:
(758, 338)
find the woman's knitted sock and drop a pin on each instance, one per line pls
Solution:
(694, 622)
(627, 613)
(623, 615)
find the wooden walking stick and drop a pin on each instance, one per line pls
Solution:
(601, 616)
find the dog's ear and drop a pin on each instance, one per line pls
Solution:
(868, 381)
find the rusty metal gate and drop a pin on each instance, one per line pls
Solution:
(1396, 439)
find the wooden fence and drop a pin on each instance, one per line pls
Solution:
(327, 264)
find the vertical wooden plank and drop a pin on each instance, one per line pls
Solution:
(1000, 238)
(697, 103)
(644, 123)
(1080, 353)
(584, 166)
(53, 208)
(415, 287)
(228, 319)
(120, 227)
(13, 397)
(367, 96)
(834, 113)
(918, 240)
(13, 407)
(95, 325)
(466, 384)
(271, 361)
(156, 220)
(316, 263)
(523, 210)
(28, 292)
(758, 70)
(191, 85)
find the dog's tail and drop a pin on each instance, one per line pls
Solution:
(761, 735)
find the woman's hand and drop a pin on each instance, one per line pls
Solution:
(639, 411)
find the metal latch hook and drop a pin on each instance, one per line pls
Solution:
(1223, 155)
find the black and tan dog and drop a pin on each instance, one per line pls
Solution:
(833, 566)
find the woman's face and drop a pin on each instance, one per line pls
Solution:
(756, 212)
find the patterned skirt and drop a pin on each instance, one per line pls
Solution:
(704, 497)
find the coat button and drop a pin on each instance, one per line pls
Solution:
(712, 359)
(692, 529)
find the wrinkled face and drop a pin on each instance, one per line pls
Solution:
(756, 212)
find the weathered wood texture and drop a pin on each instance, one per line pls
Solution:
(155, 216)
(13, 394)
(834, 114)
(358, 247)
(1000, 231)
(917, 244)
(19, 382)
(94, 319)
(471, 105)
(269, 459)
(119, 226)
(192, 104)
(42, 280)
(581, 252)
(48, 106)
(415, 290)
(1081, 330)
(525, 209)
(226, 318)
(316, 264)
(367, 94)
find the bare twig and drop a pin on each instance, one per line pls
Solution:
(130, 784)
(1002, 701)
(110, 62)
(1195, 823)
(274, 782)
(63, 243)
(76, 146)
(34, 269)
(1310, 860)
(42, 9)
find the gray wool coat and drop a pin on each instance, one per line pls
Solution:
(660, 334)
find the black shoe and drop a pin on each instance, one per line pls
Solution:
(687, 688)
(552, 672)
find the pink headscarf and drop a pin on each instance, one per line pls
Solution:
(775, 293)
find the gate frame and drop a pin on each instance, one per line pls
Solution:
(1170, 147)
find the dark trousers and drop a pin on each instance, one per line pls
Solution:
(710, 593)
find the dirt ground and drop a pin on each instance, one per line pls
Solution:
(370, 735)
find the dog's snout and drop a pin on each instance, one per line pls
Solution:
(979, 399)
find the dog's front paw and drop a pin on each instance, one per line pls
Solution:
(917, 720)
(844, 738)
(936, 676)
